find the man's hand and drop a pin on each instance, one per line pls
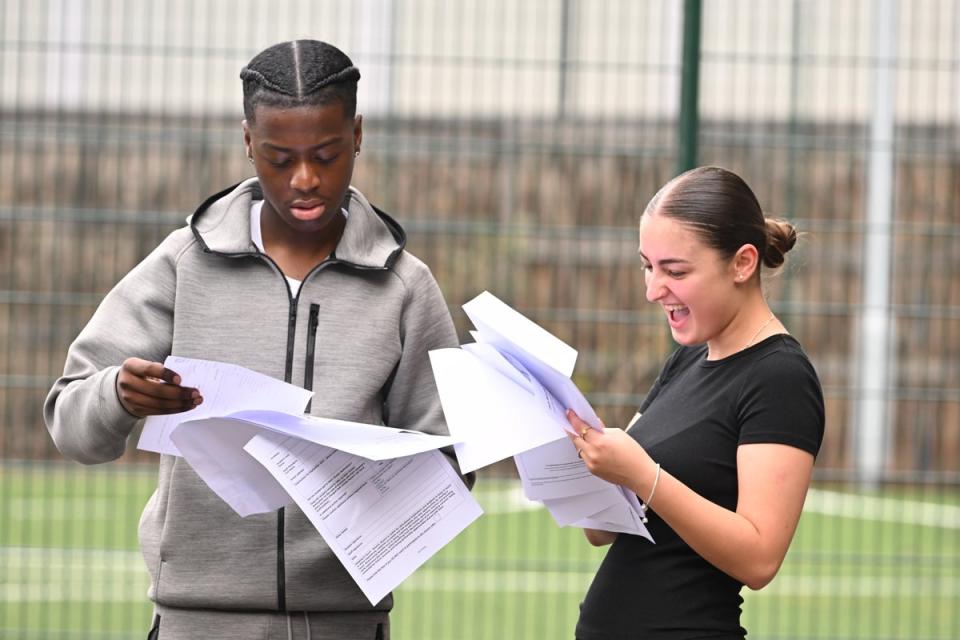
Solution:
(149, 389)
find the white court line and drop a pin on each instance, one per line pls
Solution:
(831, 503)
(61, 509)
(900, 586)
(862, 507)
(53, 559)
(867, 586)
(76, 575)
(40, 574)
(509, 499)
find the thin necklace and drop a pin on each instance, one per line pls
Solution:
(762, 327)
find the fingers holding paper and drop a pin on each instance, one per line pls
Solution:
(148, 388)
(610, 454)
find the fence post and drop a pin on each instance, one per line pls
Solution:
(871, 423)
(376, 55)
(567, 26)
(689, 124)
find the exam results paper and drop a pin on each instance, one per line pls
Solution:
(382, 519)
(506, 395)
(226, 388)
(384, 499)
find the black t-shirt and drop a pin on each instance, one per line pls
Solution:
(696, 415)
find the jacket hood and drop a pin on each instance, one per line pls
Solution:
(371, 239)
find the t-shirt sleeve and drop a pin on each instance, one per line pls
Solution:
(782, 403)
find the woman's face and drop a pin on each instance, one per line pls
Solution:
(693, 284)
(304, 158)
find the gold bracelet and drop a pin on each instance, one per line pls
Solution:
(646, 504)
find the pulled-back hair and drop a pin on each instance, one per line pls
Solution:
(719, 206)
(299, 73)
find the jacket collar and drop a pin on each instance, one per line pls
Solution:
(371, 239)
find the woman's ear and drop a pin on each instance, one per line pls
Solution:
(745, 262)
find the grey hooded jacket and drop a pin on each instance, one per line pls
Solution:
(357, 334)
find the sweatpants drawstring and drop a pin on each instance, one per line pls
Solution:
(306, 618)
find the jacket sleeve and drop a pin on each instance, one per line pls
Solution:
(82, 411)
(412, 400)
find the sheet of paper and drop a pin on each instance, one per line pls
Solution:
(570, 509)
(214, 449)
(381, 519)
(489, 355)
(490, 416)
(559, 387)
(498, 398)
(374, 442)
(531, 349)
(554, 470)
(554, 475)
(226, 388)
(507, 394)
(501, 322)
(623, 517)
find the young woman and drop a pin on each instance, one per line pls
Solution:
(723, 451)
(271, 274)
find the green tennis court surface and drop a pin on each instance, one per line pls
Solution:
(877, 565)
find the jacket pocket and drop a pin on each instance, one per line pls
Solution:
(211, 557)
(312, 325)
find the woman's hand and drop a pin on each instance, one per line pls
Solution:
(599, 538)
(610, 454)
(149, 389)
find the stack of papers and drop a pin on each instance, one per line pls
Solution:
(506, 394)
(370, 491)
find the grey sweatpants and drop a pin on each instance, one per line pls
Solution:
(192, 624)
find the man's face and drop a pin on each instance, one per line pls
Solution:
(304, 158)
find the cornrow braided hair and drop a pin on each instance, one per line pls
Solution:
(299, 73)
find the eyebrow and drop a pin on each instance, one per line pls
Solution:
(326, 143)
(665, 261)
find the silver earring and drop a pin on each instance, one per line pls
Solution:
(250, 158)
(356, 154)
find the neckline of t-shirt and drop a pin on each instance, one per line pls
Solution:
(256, 232)
(766, 342)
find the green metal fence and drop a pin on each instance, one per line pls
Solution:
(518, 143)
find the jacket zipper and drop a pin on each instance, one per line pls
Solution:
(287, 377)
(311, 348)
(291, 335)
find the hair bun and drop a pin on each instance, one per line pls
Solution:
(781, 237)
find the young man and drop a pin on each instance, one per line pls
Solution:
(293, 274)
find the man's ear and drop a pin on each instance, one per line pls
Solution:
(357, 133)
(247, 141)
